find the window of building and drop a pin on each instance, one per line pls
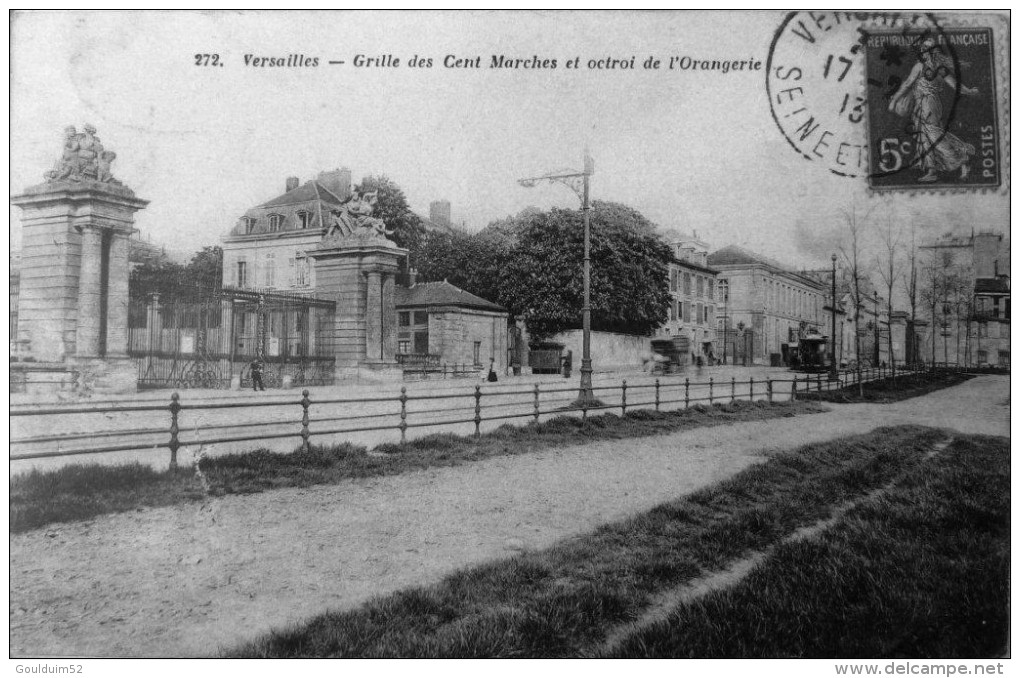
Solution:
(1006, 307)
(711, 290)
(242, 274)
(982, 329)
(701, 286)
(304, 219)
(982, 357)
(404, 346)
(269, 271)
(421, 341)
(404, 318)
(477, 353)
(275, 222)
(1003, 358)
(687, 284)
(672, 279)
(249, 225)
(995, 307)
(680, 310)
(421, 318)
(672, 310)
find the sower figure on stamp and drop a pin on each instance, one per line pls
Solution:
(256, 375)
(937, 150)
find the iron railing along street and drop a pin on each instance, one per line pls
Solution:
(532, 403)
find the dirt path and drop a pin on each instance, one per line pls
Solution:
(185, 581)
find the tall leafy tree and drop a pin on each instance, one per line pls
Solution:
(392, 208)
(543, 279)
(205, 270)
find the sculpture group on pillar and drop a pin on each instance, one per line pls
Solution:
(83, 158)
(354, 219)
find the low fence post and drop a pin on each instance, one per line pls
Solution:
(750, 392)
(536, 403)
(793, 390)
(711, 389)
(768, 388)
(305, 433)
(175, 443)
(623, 398)
(478, 411)
(403, 415)
(733, 389)
(818, 383)
(656, 395)
(687, 392)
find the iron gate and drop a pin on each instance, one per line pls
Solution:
(189, 339)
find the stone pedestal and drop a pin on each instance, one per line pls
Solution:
(73, 305)
(361, 274)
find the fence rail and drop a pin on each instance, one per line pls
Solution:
(476, 406)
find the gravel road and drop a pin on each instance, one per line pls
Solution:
(189, 580)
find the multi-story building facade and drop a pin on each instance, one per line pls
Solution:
(766, 307)
(693, 297)
(266, 248)
(967, 287)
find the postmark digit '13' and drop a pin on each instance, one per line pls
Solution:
(932, 114)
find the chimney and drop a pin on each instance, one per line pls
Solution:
(292, 183)
(337, 182)
(439, 212)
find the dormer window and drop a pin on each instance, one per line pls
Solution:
(249, 225)
(275, 222)
(304, 220)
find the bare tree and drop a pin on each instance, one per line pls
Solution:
(928, 291)
(851, 249)
(887, 270)
(940, 279)
(910, 287)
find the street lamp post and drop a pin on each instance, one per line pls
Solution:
(832, 307)
(579, 183)
(725, 321)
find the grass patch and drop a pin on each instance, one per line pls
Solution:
(889, 390)
(80, 492)
(561, 601)
(923, 571)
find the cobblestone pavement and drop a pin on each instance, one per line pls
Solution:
(188, 580)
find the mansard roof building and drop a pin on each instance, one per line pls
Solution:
(266, 247)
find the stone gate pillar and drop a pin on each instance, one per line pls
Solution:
(74, 264)
(359, 271)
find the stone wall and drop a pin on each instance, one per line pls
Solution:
(610, 351)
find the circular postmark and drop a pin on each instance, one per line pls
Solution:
(867, 94)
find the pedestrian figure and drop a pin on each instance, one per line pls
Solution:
(256, 375)
(492, 370)
(568, 363)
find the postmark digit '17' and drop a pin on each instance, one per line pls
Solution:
(931, 99)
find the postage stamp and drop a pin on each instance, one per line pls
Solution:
(906, 101)
(931, 105)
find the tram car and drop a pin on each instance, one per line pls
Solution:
(810, 354)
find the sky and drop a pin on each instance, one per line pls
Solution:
(692, 150)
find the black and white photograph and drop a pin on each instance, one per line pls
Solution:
(519, 334)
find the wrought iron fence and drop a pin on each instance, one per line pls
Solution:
(197, 339)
